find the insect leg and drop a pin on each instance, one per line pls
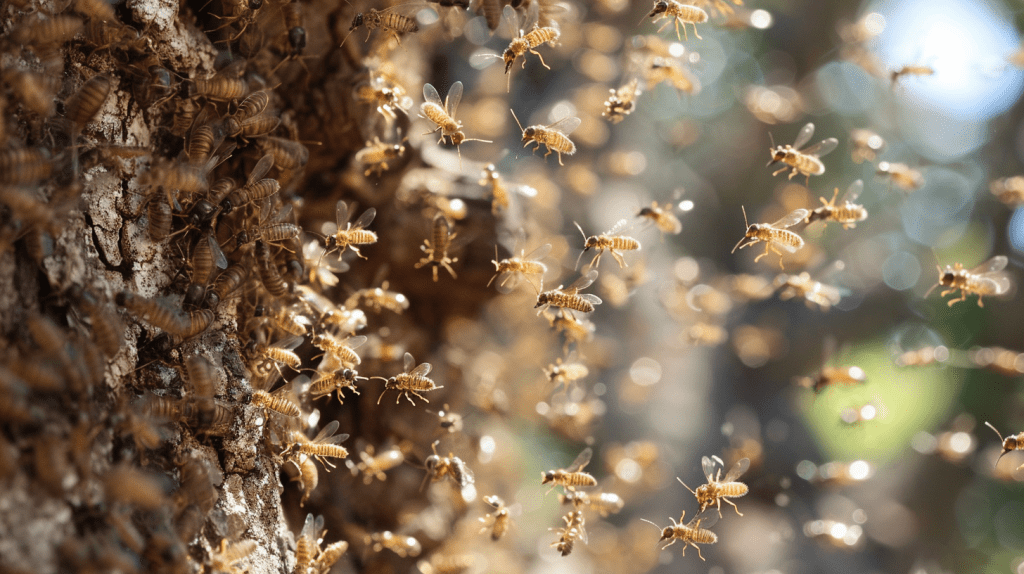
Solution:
(618, 257)
(532, 51)
(733, 505)
(698, 37)
(690, 542)
(780, 170)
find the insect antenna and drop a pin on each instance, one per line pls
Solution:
(651, 523)
(771, 138)
(1000, 440)
(932, 288)
(517, 120)
(686, 487)
(744, 223)
(585, 248)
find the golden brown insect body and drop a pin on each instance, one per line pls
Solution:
(989, 278)
(609, 241)
(86, 103)
(436, 249)
(566, 373)
(24, 165)
(605, 503)
(805, 161)
(812, 291)
(662, 217)
(410, 382)
(225, 558)
(555, 137)
(622, 102)
(866, 145)
(774, 234)
(680, 13)
(288, 154)
(322, 447)
(373, 465)
(443, 115)
(388, 97)
(902, 175)
(499, 521)
(569, 297)
(832, 376)
(1010, 443)
(438, 467)
(379, 299)
(522, 41)
(349, 234)
(376, 155)
(513, 269)
(388, 20)
(399, 544)
(572, 477)
(910, 70)
(720, 489)
(846, 213)
(664, 69)
(336, 382)
(690, 534)
(276, 401)
(1009, 190)
(341, 349)
(574, 529)
(219, 88)
(159, 313)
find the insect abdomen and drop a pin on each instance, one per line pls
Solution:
(541, 36)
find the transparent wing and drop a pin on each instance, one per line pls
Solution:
(997, 263)
(994, 284)
(821, 148)
(792, 219)
(538, 253)
(289, 343)
(584, 281)
(219, 259)
(338, 438)
(619, 226)
(737, 469)
(365, 219)
(532, 15)
(355, 342)
(708, 466)
(804, 136)
(707, 519)
(341, 213)
(592, 299)
(409, 362)
(582, 460)
(853, 192)
(786, 246)
(421, 371)
(511, 19)
(508, 281)
(262, 168)
(566, 125)
(307, 528)
(451, 103)
(327, 431)
(430, 95)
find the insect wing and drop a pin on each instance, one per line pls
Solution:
(584, 281)
(804, 136)
(821, 148)
(307, 528)
(994, 284)
(532, 15)
(997, 263)
(262, 168)
(566, 125)
(355, 342)
(341, 213)
(852, 192)
(421, 371)
(409, 362)
(365, 219)
(509, 16)
(619, 226)
(538, 253)
(705, 519)
(792, 219)
(219, 259)
(430, 95)
(508, 281)
(327, 431)
(582, 460)
(289, 343)
(739, 468)
(592, 299)
(451, 101)
(708, 466)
